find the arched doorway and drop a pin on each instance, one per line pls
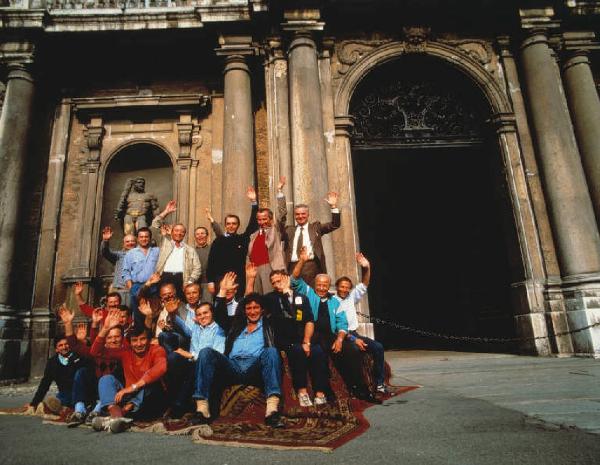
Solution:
(139, 159)
(432, 206)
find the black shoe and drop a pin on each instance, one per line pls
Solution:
(76, 419)
(274, 420)
(199, 419)
(367, 396)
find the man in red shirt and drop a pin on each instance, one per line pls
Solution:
(144, 365)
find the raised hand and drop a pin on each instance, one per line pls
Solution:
(65, 315)
(251, 270)
(165, 229)
(112, 319)
(286, 284)
(81, 331)
(106, 233)
(362, 260)
(251, 194)
(97, 316)
(209, 216)
(303, 256)
(332, 199)
(153, 279)
(78, 288)
(172, 305)
(281, 183)
(170, 208)
(144, 307)
(228, 282)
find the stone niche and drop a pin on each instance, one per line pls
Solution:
(137, 160)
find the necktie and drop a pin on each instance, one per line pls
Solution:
(300, 241)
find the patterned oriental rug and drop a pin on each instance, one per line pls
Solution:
(241, 419)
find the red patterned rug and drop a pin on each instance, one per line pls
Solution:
(241, 420)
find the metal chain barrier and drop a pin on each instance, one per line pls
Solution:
(450, 337)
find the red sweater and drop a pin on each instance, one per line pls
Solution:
(149, 368)
(259, 255)
(104, 365)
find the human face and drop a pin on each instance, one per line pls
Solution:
(178, 233)
(343, 288)
(129, 242)
(139, 185)
(192, 294)
(112, 303)
(114, 339)
(143, 239)
(62, 348)
(123, 317)
(263, 220)
(201, 237)
(277, 282)
(139, 344)
(231, 225)
(253, 312)
(204, 315)
(322, 283)
(167, 293)
(301, 215)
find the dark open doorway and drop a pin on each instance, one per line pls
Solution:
(431, 222)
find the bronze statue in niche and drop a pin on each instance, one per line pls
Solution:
(136, 207)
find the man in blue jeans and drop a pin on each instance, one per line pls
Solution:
(250, 358)
(72, 375)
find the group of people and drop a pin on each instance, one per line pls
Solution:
(181, 323)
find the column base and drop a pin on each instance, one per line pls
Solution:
(14, 345)
(42, 329)
(582, 304)
(366, 330)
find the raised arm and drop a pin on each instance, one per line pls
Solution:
(365, 266)
(251, 273)
(281, 205)
(105, 250)
(252, 223)
(326, 228)
(216, 227)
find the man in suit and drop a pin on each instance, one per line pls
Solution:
(228, 252)
(305, 234)
(265, 249)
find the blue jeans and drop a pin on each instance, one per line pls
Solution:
(179, 378)
(172, 340)
(264, 371)
(148, 402)
(82, 390)
(376, 350)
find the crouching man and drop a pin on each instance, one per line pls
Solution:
(144, 365)
(250, 358)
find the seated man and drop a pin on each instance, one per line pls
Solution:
(348, 298)
(112, 302)
(331, 327)
(71, 374)
(250, 357)
(165, 331)
(103, 366)
(144, 364)
(292, 319)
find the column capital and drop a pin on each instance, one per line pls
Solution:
(94, 133)
(305, 21)
(535, 19)
(236, 45)
(344, 125)
(503, 44)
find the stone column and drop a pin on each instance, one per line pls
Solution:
(570, 207)
(584, 103)
(306, 122)
(15, 123)
(238, 126)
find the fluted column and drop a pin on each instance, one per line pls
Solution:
(569, 202)
(585, 112)
(15, 124)
(238, 126)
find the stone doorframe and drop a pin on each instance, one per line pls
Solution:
(479, 62)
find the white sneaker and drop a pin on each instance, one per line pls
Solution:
(320, 400)
(304, 400)
(118, 425)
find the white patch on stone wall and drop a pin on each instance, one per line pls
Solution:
(513, 89)
(217, 156)
(330, 136)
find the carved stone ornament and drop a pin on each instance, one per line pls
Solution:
(350, 52)
(400, 112)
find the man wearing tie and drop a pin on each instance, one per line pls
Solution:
(305, 234)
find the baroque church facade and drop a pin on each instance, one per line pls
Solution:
(463, 139)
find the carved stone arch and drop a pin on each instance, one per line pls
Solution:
(453, 56)
(142, 140)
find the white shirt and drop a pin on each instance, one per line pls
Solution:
(231, 307)
(174, 263)
(349, 305)
(305, 242)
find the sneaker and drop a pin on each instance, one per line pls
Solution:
(383, 389)
(365, 395)
(90, 418)
(274, 420)
(100, 423)
(320, 400)
(199, 419)
(76, 419)
(118, 425)
(304, 400)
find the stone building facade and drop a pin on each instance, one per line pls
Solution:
(462, 137)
